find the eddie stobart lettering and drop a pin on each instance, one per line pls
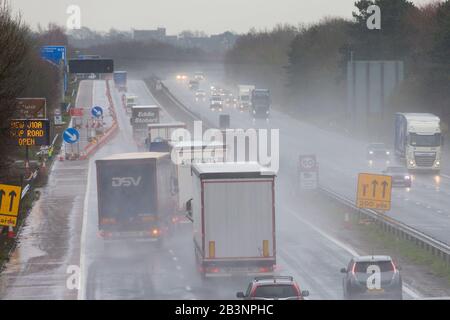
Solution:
(145, 120)
(149, 114)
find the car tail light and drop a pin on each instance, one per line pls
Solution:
(213, 270)
(353, 268)
(264, 269)
(174, 219)
(156, 232)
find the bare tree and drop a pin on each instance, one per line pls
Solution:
(14, 37)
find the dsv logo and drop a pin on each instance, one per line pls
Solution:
(126, 182)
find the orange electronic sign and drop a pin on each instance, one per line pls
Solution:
(30, 132)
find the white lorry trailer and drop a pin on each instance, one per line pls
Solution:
(184, 154)
(418, 140)
(245, 96)
(233, 213)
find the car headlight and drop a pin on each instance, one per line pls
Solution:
(267, 112)
(412, 163)
(437, 163)
(407, 178)
(370, 152)
(388, 153)
(254, 111)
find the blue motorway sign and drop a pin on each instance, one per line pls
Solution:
(54, 54)
(71, 135)
(97, 112)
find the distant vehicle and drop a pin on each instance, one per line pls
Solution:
(130, 100)
(233, 213)
(378, 152)
(400, 176)
(200, 76)
(134, 199)
(120, 80)
(244, 96)
(260, 104)
(216, 103)
(194, 84)
(357, 285)
(184, 154)
(273, 288)
(141, 116)
(92, 76)
(200, 95)
(181, 77)
(418, 140)
(159, 135)
(230, 100)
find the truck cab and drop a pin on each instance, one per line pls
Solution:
(244, 96)
(418, 140)
(260, 104)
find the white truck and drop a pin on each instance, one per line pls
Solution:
(244, 96)
(418, 140)
(233, 213)
(129, 101)
(184, 154)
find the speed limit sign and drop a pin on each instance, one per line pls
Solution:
(307, 163)
(308, 172)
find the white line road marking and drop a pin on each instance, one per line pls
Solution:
(445, 176)
(406, 288)
(178, 268)
(188, 288)
(174, 258)
(82, 280)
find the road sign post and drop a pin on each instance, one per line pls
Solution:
(308, 172)
(374, 192)
(72, 136)
(97, 112)
(9, 204)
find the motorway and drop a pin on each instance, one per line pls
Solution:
(147, 271)
(425, 207)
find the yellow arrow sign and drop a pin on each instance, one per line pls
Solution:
(374, 191)
(10, 199)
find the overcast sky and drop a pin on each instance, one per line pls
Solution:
(211, 16)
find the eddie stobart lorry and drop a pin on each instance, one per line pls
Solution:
(233, 214)
(135, 199)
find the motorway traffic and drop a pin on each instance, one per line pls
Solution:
(424, 206)
(305, 252)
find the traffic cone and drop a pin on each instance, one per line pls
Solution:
(11, 233)
(44, 167)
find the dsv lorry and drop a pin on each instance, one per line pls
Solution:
(233, 213)
(134, 196)
(418, 140)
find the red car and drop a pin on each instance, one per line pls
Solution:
(273, 288)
